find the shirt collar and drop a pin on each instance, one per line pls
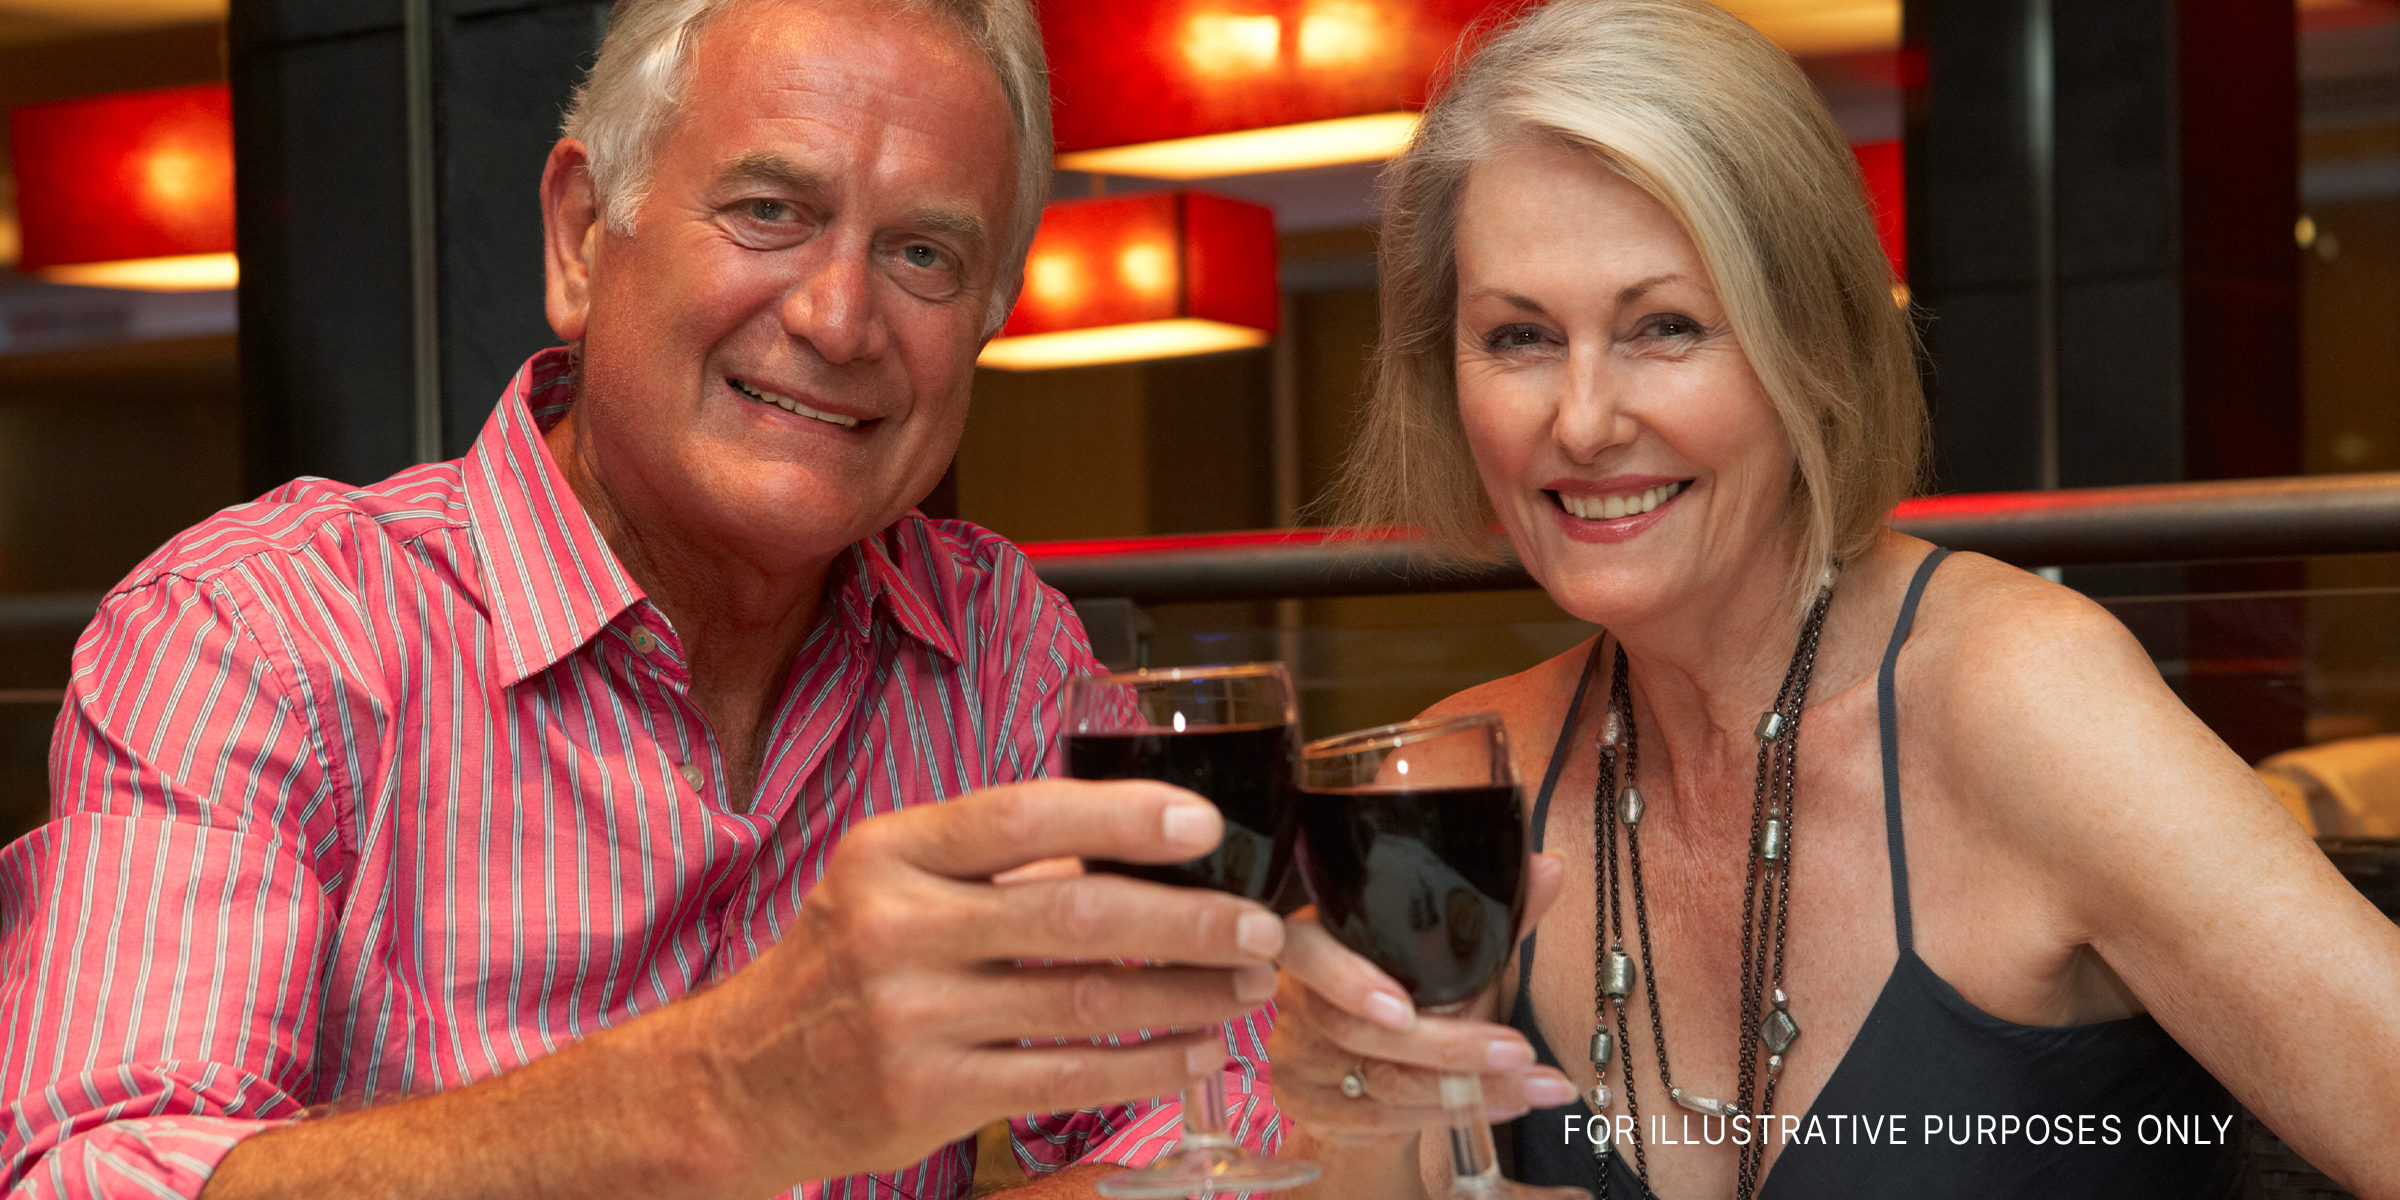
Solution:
(551, 583)
(550, 580)
(898, 568)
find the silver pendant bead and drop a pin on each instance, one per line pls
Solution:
(1604, 1139)
(1779, 1030)
(1629, 806)
(1616, 982)
(1611, 730)
(1598, 1096)
(1771, 840)
(1770, 726)
(1774, 1064)
(1604, 1048)
(1704, 1105)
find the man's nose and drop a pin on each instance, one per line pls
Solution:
(1591, 413)
(835, 310)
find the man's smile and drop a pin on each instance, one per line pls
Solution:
(787, 404)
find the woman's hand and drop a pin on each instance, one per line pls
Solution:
(1337, 1013)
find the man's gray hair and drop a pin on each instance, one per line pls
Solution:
(628, 102)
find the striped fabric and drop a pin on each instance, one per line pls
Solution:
(365, 794)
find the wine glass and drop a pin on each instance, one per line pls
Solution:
(1231, 734)
(1413, 847)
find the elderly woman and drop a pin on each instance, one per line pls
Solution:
(1878, 872)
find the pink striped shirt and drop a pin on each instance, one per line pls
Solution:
(368, 793)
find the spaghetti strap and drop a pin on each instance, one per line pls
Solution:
(1887, 711)
(1541, 802)
(1558, 750)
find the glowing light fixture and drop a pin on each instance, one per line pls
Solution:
(131, 190)
(1813, 27)
(1371, 138)
(1143, 276)
(1195, 89)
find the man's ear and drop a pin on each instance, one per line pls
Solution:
(570, 237)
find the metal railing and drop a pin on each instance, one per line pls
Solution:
(2151, 523)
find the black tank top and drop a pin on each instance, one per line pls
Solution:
(2138, 1117)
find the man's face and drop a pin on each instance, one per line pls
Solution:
(777, 361)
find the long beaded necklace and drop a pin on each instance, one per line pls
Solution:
(1767, 1023)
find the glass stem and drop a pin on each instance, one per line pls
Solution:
(1204, 1111)
(1474, 1168)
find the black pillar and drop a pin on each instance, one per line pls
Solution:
(1973, 238)
(322, 146)
(2101, 202)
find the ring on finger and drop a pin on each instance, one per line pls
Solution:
(1354, 1084)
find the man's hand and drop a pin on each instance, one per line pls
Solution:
(889, 1021)
(886, 1023)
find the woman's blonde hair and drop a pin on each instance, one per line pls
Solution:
(1720, 126)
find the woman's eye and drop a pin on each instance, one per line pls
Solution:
(1512, 337)
(1673, 326)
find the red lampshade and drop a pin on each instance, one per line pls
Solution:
(142, 176)
(1123, 74)
(1887, 193)
(1148, 275)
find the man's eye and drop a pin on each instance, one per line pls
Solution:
(769, 210)
(922, 256)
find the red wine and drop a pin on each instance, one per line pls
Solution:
(1247, 770)
(1428, 884)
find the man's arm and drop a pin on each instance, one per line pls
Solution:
(883, 1027)
(166, 941)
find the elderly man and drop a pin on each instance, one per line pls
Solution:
(562, 819)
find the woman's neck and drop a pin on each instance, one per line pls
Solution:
(1704, 671)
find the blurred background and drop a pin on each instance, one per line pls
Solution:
(2150, 241)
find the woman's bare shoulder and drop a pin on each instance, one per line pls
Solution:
(2037, 706)
(1993, 636)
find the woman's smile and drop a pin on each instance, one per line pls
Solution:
(1612, 510)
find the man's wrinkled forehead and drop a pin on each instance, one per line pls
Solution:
(832, 26)
(782, 45)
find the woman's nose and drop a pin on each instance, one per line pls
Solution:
(1591, 411)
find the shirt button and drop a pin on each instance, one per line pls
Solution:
(691, 775)
(644, 641)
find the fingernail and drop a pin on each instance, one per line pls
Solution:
(1542, 1091)
(1253, 983)
(1190, 823)
(1204, 1056)
(1507, 1054)
(1390, 1011)
(1259, 933)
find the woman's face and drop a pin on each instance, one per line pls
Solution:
(1634, 460)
